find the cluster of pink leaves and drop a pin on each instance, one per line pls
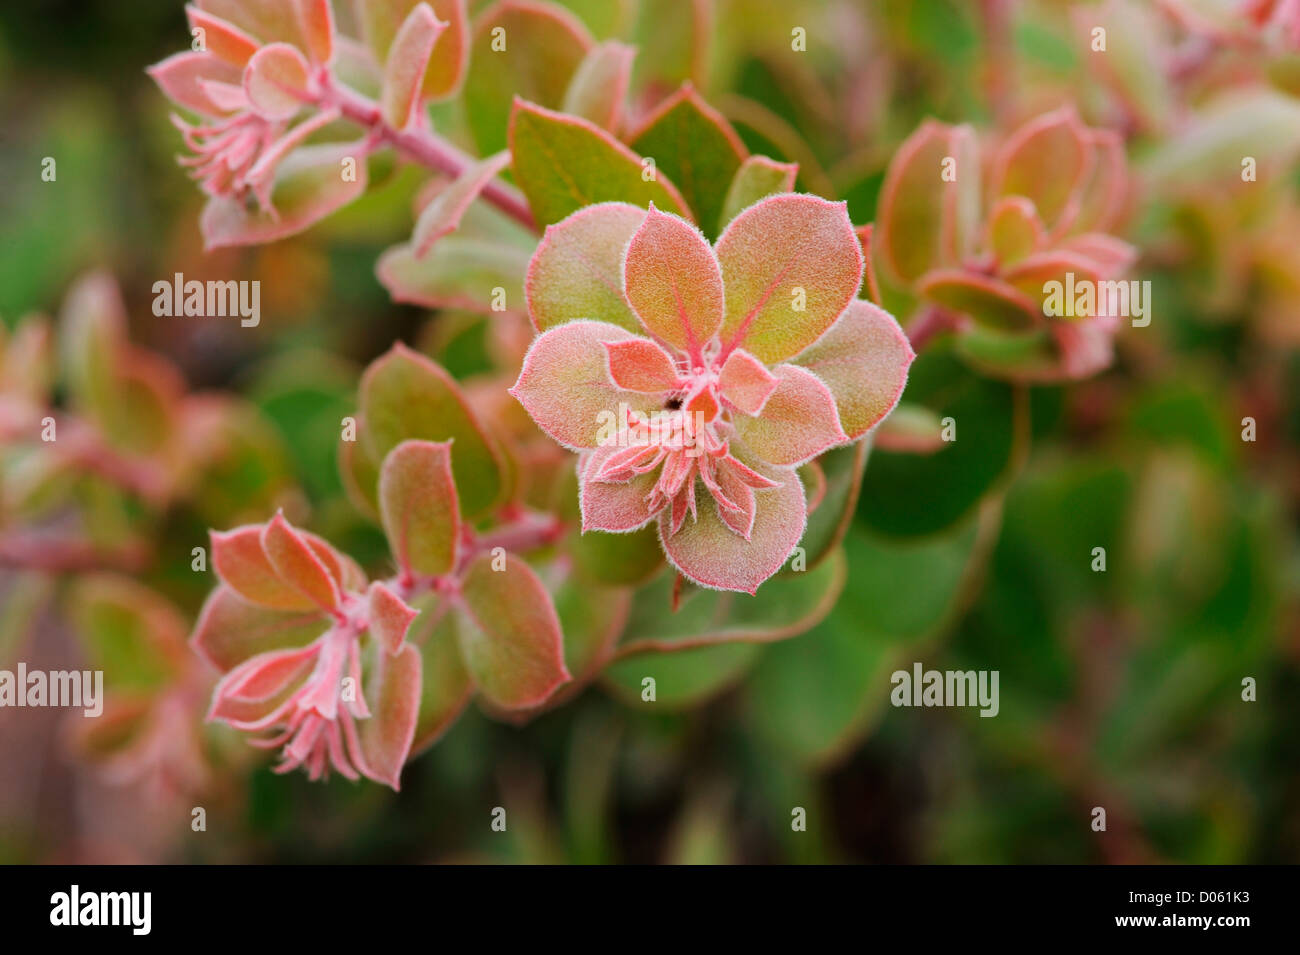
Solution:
(317, 658)
(716, 372)
(983, 247)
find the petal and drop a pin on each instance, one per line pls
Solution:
(798, 422)
(713, 555)
(577, 270)
(745, 382)
(673, 282)
(565, 386)
(615, 507)
(639, 364)
(295, 561)
(790, 265)
(863, 360)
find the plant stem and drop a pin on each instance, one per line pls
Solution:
(422, 145)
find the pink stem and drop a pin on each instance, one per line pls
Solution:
(422, 145)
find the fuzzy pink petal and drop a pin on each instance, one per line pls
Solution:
(242, 565)
(745, 382)
(221, 38)
(180, 77)
(231, 630)
(713, 555)
(790, 265)
(277, 81)
(673, 282)
(863, 360)
(798, 422)
(385, 738)
(390, 617)
(297, 564)
(615, 507)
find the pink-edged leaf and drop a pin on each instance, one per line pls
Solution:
(296, 563)
(618, 508)
(222, 39)
(316, 20)
(419, 507)
(404, 395)
(577, 270)
(181, 76)
(1034, 274)
(563, 163)
(599, 86)
(443, 214)
(870, 285)
(639, 364)
(408, 58)
(1048, 160)
(456, 272)
(267, 20)
(393, 695)
(564, 384)
(509, 634)
(673, 282)
(713, 555)
(1014, 230)
(231, 630)
(381, 19)
(242, 565)
(757, 178)
(799, 420)
(1108, 256)
(228, 97)
(277, 81)
(924, 215)
(863, 360)
(309, 185)
(989, 301)
(1086, 346)
(745, 382)
(266, 675)
(390, 617)
(1102, 198)
(345, 571)
(445, 687)
(790, 265)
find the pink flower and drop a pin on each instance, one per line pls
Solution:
(249, 81)
(713, 374)
(303, 687)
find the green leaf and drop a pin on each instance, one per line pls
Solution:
(417, 500)
(563, 163)
(544, 43)
(757, 178)
(842, 469)
(405, 395)
(456, 273)
(697, 148)
(446, 687)
(682, 679)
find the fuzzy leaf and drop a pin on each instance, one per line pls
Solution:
(510, 635)
(563, 163)
(381, 19)
(785, 252)
(673, 282)
(184, 79)
(404, 395)
(317, 21)
(639, 364)
(713, 555)
(564, 384)
(911, 215)
(445, 687)
(599, 86)
(863, 359)
(696, 147)
(277, 81)
(543, 45)
(408, 58)
(222, 39)
(577, 270)
(231, 630)
(442, 215)
(745, 382)
(417, 501)
(757, 178)
(268, 20)
(798, 422)
(393, 694)
(242, 565)
(456, 273)
(390, 617)
(296, 563)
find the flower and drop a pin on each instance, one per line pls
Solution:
(713, 374)
(249, 77)
(285, 676)
(1055, 188)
